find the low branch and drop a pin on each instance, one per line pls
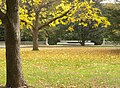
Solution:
(26, 24)
(47, 23)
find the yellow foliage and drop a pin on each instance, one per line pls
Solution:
(83, 12)
(70, 29)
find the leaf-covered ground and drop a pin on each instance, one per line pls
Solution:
(69, 67)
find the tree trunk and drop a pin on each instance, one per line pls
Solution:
(83, 37)
(35, 32)
(35, 40)
(83, 43)
(13, 61)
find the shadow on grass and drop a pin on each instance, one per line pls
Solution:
(115, 51)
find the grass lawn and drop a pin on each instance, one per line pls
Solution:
(69, 67)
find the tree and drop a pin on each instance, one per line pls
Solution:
(42, 13)
(112, 11)
(10, 19)
(87, 18)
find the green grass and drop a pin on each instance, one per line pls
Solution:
(69, 67)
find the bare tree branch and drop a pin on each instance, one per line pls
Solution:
(2, 5)
(2, 15)
(26, 24)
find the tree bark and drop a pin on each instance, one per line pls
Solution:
(35, 32)
(35, 40)
(14, 73)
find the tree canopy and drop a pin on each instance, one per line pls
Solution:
(37, 14)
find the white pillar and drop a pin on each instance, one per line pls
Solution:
(104, 41)
(46, 42)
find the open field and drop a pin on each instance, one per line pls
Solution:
(69, 67)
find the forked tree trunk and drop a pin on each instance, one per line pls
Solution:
(14, 73)
(35, 40)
